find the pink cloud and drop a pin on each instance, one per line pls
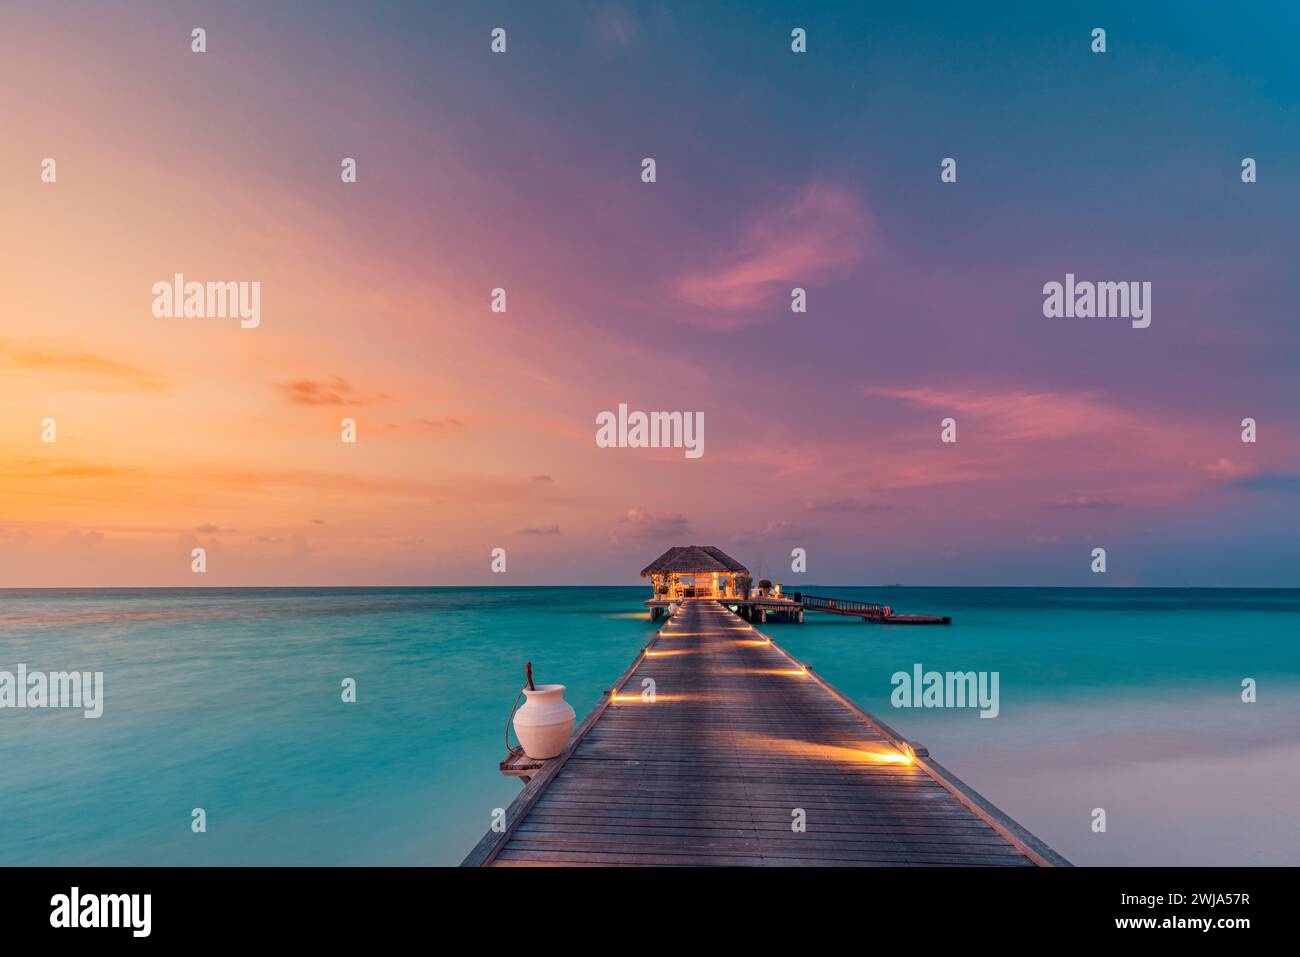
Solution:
(1085, 502)
(845, 505)
(539, 530)
(815, 239)
(1226, 470)
(1021, 414)
(641, 523)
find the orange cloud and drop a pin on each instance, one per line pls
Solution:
(448, 423)
(79, 370)
(60, 468)
(332, 391)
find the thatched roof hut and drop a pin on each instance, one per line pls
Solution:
(693, 560)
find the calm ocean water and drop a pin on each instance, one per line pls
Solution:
(229, 700)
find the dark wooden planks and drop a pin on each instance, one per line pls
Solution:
(712, 769)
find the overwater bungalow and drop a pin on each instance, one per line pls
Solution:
(706, 571)
(696, 571)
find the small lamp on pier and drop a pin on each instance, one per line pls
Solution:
(912, 751)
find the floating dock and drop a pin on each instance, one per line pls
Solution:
(741, 756)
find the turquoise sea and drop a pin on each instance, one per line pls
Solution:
(230, 700)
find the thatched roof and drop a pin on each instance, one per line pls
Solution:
(693, 560)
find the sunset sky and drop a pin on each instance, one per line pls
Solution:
(478, 170)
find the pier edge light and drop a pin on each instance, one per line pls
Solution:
(908, 752)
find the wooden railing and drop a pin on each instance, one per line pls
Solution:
(844, 605)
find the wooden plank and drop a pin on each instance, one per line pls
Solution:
(737, 737)
(492, 842)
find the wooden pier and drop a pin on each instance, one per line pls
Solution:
(738, 745)
(867, 611)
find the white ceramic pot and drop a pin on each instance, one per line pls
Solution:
(672, 609)
(545, 721)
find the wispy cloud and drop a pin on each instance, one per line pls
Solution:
(61, 468)
(641, 523)
(773, 529)
(814, 239)
(447, 423)
(333, 390)
(1226, 470)
(79, 370)
(845, 505)
(540, 530)
(1084, 502)
(83, 539)
(1019, 414)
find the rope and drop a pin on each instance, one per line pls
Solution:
(518, 748)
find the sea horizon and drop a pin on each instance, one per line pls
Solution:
(801, 588)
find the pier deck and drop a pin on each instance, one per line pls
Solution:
(712, 771)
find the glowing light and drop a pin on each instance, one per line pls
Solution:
(818, 751)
